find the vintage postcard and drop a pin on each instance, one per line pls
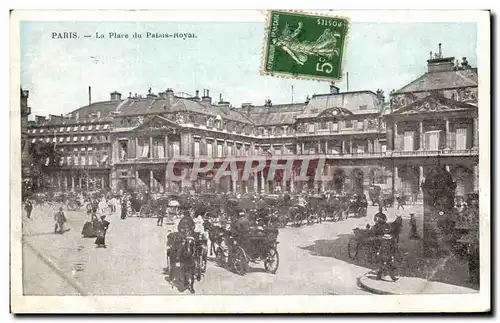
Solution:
(250, 161)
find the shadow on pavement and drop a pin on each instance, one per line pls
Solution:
(410, 261)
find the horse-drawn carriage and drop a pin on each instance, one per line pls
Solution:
(259, 245)
(369, 239)
(186, 258)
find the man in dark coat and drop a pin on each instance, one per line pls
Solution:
(102, 228)
(28, 206)
(385, 256)
(186, 224)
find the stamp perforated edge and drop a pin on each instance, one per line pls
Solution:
(264, 52)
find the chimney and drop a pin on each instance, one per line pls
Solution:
(98, 114)
(115, 96)
(197, 95)
(90, 94)
(206, 100)
(40, 119)
(224, 106)
(169, 95)
(129, 95)
(438, 63)
(268, 103)
(333, 88)
(246, 105)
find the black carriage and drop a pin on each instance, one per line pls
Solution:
(260, 245)
(362, 239)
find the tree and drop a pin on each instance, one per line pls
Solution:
(36, 161)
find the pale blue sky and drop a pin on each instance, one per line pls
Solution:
(225, 58)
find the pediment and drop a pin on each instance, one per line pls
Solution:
(334, 112)
(433, 104)
(155, 123)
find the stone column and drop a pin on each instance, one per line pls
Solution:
(350, 146)
(475, 138)
(255, 183)
(80, 182)
(396, 137)
(166, 147)
(326, 146)
(476, 177)
(151, 147)
(166, 175)
(396, 181)
(262, 182)
(319, 146)
(298, 149)
(421, 135)
(233, 178)
(72, 182)
(137, 153)
(102, 181)
(302, 149)
(448, 134)
(343, 146)
(136, 179)
(224, 149)
(421, 177)
(151, 178)
(292, 180)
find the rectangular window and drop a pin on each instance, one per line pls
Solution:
(219, 150)
(310, 128)
(363, 107)
(42, 130)
(335, 127)
(75, 128)
(360, 125)
(277, 150)
(176, 149)
(230, 150)
(196, 149)
(461, 138)
(408, 141)
(61, 129)
(82, 128)
(82, 138)
(106, 126)
(69, 129)
(323, 125)
(75, 139)
(210, 148)
(97, 127)
(431, 140)
(348, 124)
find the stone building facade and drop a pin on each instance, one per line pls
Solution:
(128, 143)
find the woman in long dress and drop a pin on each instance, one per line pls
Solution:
(102, 228)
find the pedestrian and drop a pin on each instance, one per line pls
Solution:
(385, 255)
(413, 227)
(60, 219)
(103, 206)
(28, 206)
(102, 228)
(124, 208)
(160, 216)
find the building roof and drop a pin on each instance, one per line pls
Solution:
(359, 102)
(275, 114)
(441, 80)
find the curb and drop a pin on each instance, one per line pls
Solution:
(371, 289)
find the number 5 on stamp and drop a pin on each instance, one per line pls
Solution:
(304, 46)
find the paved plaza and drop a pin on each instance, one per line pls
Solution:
(313, 260)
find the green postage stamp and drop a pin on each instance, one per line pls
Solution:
(304, 46)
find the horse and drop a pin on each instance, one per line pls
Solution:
(215, 235)
(187, 259)
(396, 227)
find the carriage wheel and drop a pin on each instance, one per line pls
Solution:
(239, 261)
(353, 247)
(272, 261)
